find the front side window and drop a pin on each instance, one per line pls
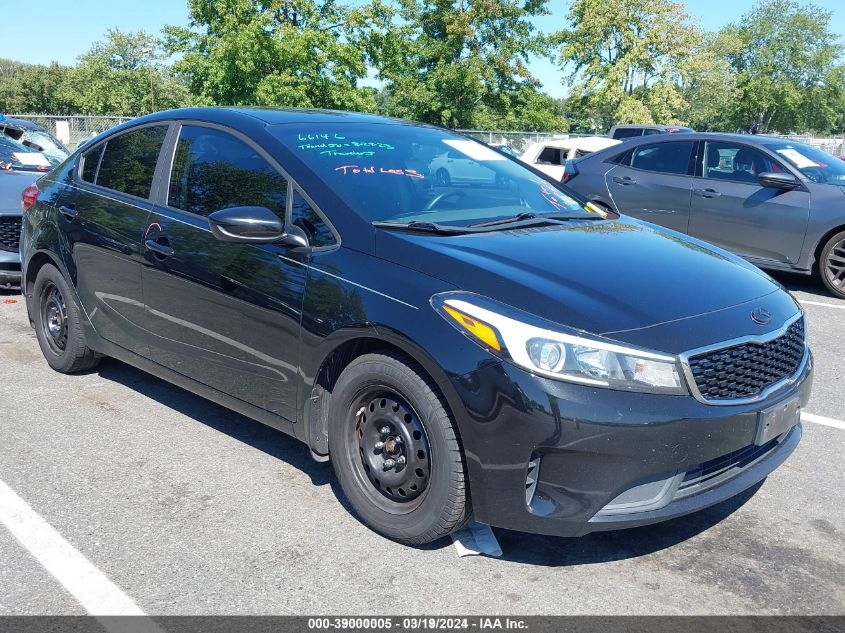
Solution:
(305, 217)
(213, 170)
(129, 161)
(665, 158)
(815, 164)
(405, 173)
(737, 162)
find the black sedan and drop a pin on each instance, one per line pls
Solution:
(501, 350)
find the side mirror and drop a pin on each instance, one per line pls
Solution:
(778, 180)
(253, 225)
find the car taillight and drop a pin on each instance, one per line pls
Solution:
(28, 197)
(569, 172)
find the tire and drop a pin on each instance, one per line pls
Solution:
(417, 501)
(832, 265)
(442, 177)
(58, 326)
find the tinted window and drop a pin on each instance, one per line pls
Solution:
(650, 131)
(549, 156)
(627, 132)
(213, 170)
(90, 161)
(401, 173)
(129, 161)
(732, 161)
(666, 158)
(303, 216)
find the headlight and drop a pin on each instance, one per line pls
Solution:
(558, 354)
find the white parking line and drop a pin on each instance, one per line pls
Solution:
(820, 303)
(820, 419)
(96, 593)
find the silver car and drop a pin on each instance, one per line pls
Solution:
(777, 203)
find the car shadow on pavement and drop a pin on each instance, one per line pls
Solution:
(802, 283)
(239, 427)
(602, 547)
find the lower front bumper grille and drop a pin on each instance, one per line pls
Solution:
(10, 232)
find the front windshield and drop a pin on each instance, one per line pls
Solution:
(815, 164)
(49, 147)
(19, 157)
(404, 173)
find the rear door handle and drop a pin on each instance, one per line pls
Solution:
(624, 180)
(69, 211)
(162, 249)
(707, 193)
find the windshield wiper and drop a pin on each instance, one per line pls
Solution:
(428, 227)
(528, 218)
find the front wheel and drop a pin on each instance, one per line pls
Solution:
(832, 265)
(395, 450)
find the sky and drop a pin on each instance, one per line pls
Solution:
(65, 29)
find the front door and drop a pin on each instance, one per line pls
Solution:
(654, 183)
(730, 208)
(104, 211)
(224, 314)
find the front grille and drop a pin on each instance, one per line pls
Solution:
(745, 371)
(10, 232)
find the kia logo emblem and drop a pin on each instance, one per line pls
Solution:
(761, 316)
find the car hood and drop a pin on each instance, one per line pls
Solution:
(602, 277)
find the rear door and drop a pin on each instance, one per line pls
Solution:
(730, 209)
(103, 213)
(226, 314)
(653, 182)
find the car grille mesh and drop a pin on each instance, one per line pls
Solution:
(10, 233)
(745, 371)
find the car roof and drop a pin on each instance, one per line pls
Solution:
(274, 116)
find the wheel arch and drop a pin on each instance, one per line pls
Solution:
(36, 262)
(823, 240)
(316, 406)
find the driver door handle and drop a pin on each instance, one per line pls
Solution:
(707, 193)
(624, 180)
(161, 249)
(69, 211)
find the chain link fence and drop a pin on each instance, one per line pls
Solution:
(70, 130)
(73, 129)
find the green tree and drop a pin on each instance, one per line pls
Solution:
(273, 52)
(123, 76)
(624, 58)
(784, 59)
(462, 63)
(30, 88)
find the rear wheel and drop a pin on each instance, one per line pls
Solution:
(395, 450)
(832, 265)
(57, 324)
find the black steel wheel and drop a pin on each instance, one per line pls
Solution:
(396, 451)
(57, 324)
(832, 265)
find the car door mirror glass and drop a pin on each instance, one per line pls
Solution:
(777, 180)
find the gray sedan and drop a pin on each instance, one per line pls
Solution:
(777, 203)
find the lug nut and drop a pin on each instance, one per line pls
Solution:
(384, 430)
(400, 460)
(389, 463)
(398, 439)
(379, 445)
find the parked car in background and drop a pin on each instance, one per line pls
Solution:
(454, 167)
(34, 136)
(498, 351)
(627, 131)
(20, 166)
(506, 148)
(550, 156)
(777, 203)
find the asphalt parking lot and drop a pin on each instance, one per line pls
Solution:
(188, 508)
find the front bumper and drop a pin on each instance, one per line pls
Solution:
(551, 457)
(10, 269)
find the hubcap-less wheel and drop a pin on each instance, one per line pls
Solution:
(54, 318)
(393, 449)
(834, 267)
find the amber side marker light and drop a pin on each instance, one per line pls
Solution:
(478, 329)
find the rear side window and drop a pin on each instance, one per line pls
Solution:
(666, 158)
(627, 132)
(213, 170)
(550, 156)
(303, 216)
(129, 161)
(90, 162)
